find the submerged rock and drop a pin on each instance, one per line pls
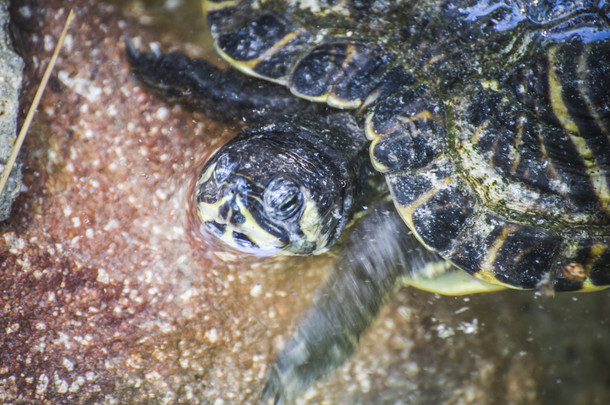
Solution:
(11, 74)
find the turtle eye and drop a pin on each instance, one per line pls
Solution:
(282, 199)
(224, 167)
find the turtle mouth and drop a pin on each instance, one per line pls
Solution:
(242, 241)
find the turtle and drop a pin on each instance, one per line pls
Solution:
(465, 146)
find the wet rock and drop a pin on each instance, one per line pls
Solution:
(11, 74)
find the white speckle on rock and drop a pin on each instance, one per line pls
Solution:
(102, 276)
(161, 194)
(81, 86)
(153, 376)
(49, 43)
(212, 335)
(67, 211)
(112, 110)
(110, 225)
(68, 365)
(76, 384)
(12, 328)
(60, 385)
(43, 383)
(256, 291)
(162, 113)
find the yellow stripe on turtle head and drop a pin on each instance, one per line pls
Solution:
(264, 243)
(310, 225)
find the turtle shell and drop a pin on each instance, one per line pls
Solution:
(491, 121)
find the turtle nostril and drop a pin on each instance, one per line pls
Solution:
(223, 211)
(216, 228)
(237, 218)
(243, 240)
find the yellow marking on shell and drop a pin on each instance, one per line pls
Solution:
(550, 168)
(375, 137)
(315, 99)
(491, 279)
(406, 212)
(338, 102)
(490, 84)
(476, 135)
(588, 286)
(422, 115)
(381, 168)
(341, 103)
(247, 67)
(449, 280)
(330, 98)
(597, 251)
(582, 76)
(215, 6)
(433, 60)
(368, 127)
(516, 157)
(370, 98)
(372, 135)
(487, 272)
(559, 107)
(598, 178)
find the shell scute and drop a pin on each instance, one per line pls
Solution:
(440, 220)
(254, 38)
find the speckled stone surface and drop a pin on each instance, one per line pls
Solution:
(110, 295)
(11, 74)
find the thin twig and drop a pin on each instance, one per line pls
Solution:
(32, 110)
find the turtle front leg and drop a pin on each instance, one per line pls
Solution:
(379, 251)
(225, 95)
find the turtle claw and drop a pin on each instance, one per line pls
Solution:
(294, 371)
(273, 393)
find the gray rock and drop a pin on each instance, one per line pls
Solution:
(11, 74)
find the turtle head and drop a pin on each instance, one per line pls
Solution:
(269, 192)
